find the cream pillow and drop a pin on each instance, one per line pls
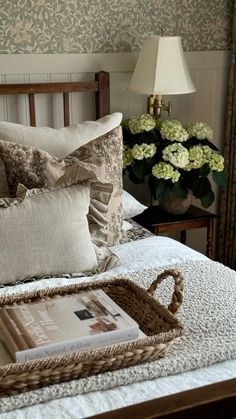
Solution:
(45, 232)
(131, 206)
(62, 141)
(58, 142)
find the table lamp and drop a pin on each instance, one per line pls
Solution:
(161, 69)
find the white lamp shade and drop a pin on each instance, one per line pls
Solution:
(161, 68)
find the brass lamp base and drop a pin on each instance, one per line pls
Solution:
(155, 105)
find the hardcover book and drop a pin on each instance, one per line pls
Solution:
(63, 324)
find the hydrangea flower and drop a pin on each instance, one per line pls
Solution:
(142, 151)
(125, 123)
(168, 151)
(200, 130)
(127, 157)
(149, 150)
(164, 170)
(196, 158)
(207, 152)
(145, 122)
(137, 152)
(172, 130)
(176, 154)
(216, 162)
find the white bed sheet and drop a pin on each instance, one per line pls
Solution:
(145, 253)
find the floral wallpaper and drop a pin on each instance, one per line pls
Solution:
(79, 26)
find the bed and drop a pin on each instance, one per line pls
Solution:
(152, 390)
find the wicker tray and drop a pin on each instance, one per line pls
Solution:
(156, 321)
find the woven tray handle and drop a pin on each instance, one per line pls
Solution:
(177, 296)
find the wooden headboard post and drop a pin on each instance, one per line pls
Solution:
(100, 86)
(103, 94)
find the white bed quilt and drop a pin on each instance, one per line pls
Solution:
(151, 252)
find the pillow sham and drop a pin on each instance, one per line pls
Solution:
(131, 206)
(47, 229)
(108, 150)
(58, 142)
(45, 233)
(37, 168)
(61, 141)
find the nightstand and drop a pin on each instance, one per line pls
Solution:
(158, 221)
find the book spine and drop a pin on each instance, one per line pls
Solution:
(103, 339)
(8, 340)
(12, 327)
(25, 338)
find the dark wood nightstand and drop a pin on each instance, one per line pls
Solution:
(158, 221)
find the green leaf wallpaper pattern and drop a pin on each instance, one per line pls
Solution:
(80, 26)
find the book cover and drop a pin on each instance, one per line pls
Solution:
(62, 324)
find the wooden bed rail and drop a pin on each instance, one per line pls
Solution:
(100, 86)
(216, 401)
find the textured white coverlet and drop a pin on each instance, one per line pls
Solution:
(151, 252)
(136, 255)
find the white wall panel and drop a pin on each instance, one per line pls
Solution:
(209, 71)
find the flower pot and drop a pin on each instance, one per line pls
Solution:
(174, 205)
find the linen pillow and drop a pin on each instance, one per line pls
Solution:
(47, 229)
(58, 142)
(131, 206)
(45, 233)
(37, 168)
(61, 141)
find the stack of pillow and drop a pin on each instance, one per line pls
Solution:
(60, 198)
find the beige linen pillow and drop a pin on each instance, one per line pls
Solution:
(45, 232)
(58, 142)
(37, 168)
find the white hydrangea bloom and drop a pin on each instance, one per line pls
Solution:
(149, 150)
(207, 153)
(145, 122)
(217, 162)
(200, 130)
(176, 154)
(138, 152)
(143, 151)
(127, 157)
(163, 170)
(196, 157)
(172, 130)
(175, 176)
(134, 125)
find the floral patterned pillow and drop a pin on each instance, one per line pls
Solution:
(108, 149)
(36, 168)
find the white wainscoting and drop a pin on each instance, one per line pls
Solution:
(209, 71)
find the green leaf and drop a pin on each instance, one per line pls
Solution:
(204, 170)
(179, 191)
(139, 169)
(161, 190)
(134, 178)
(220, 178)
(207, 200)
(201, 187)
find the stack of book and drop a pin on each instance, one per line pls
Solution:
(63, 324)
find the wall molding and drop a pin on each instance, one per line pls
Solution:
(111, 62)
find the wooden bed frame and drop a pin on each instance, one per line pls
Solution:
(100, 86)
(216, 400)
